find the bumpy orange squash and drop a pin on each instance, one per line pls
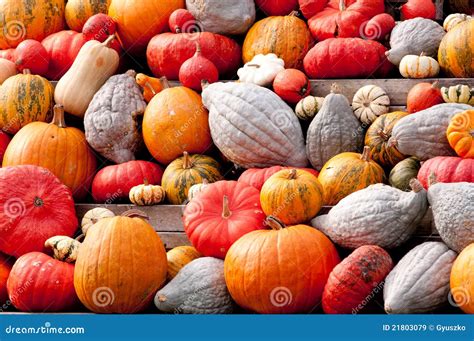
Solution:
(460, 134)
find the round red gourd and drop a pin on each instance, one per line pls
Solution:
(196, 69)
(342, 58)
(31, 54)
(379, 27)
(447, 169)
(114, 182)
(181, 20)
(166, 52)
(356, 278)
(35, 206)
(256, 177)
(38, 282)
(423, 96)
(291, 85)
(62, 48)
(99, 27)
(310, 8)
(220, 215)
(4, 141)
(6, 264)
(8, 54)
(418, 8)
(277, 7)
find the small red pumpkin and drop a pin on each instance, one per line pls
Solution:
(38, 282)
(31, 54)
(291, 85)
(353, 280)
(6, 264)
(418, 8)
(4, 141)
(220, 215)
(8, 54)
(113, 183)
(181, 20)
(256, 177)
(423, 96)
(197, 69)
(99, 27)
(379, 27)
(35, 206)
(277, 7)
(447, 169)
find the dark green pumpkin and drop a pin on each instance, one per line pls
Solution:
(403, 172)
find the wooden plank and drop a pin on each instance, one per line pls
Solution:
(173, 239)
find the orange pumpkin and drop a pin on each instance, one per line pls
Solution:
(62, 150)
(78, 11)
(286, 36)
(150, 85)
(282, 270)
(120, 265)
(346, 173)
(460, 134)
(291, 195)
(176, 121)
(456, 50)
(462, 280)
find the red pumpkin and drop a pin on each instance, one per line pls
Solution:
(197, 69)
(38, 282)
(168, 51)
(31, 54)
(423, 96)
(277, 7)
(62, 48)
(256, 177)
(35, 206)
(447, 169)
(344, 18)
(182, 21)
(347, 58)
(220, 215)
(6, 264)
(99, 27)
(418, 8)
(4, 141)
(291, 85)
(310, 8)
(8, 54)
(356, 278)
(379, 27)
(113, 183)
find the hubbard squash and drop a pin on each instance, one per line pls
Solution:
(78, 11)
(178, 257)
(456, 50)
(460, 134)
(462, 279)
(401, 175)
(418, 8)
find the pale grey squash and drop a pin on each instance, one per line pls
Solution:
(423, 134)
(415, 36)
(377, 215)
(223, 17)
(453, 212)
(111, 122)
(334, 130)
(419, 283)
(198, 288)
(253, 127)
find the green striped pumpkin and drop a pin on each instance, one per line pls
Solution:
(308, 107)
(458, 94)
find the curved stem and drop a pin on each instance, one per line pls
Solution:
(253, 65)
(164, 81)
(293, 14)
(342, 5)
(431, 180)
(186, 161)
(275, 223)
(435, 85)
(135, 214)
(226, 212)
(292, 174)
(335, 89)
(109, 40)
(145, 181)
(383, 134)
(366, 154)
(198, 49)
(58, 118)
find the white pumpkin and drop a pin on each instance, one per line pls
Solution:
(420, 66)
(261, 70)
(370, 102)
(308, 107)
(454, 20)
(458, 94)
(93, 216)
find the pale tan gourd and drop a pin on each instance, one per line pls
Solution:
(94, 64)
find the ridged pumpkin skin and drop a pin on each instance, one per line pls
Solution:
(456, 50)
(460, 134)
(346, 173)
(33, 196)
(24, 98)
(419, 283)
(286, 36)
(462, 280)
(63, 150)
(40, 283)
(218, 217)
(447, 169)
(377, 215)
(176, 121)
(178, 257)
(78, 11)
(403, 172)
(256, 177)
(293, 196)
(29, 19)
(185, 172)
(6, 264)
(354, 279)
(120, 266)
(290, 281)
(377, 137)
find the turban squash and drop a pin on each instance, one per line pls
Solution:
(460, 134)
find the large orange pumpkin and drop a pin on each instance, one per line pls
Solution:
(462, 280)
(138, 21)
(460, 134)
(29, 19)
(291, 195)
(456, 51)
(62, 150)
(282, 270)
(78, 11)
(120, 265)
(288, 37)
(175, 121)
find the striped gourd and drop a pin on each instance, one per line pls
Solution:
(458, 94)
(308, 107)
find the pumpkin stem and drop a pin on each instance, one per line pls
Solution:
(226, 213)
(177, 30)
(366, 154)
(198, 49)
(293, 14)
(335, 89)
(253, 65)
(145, 181)
(58, 118)
(64, 248)
(422, 54)
(109, 40)
(342, 5)
(383, 134)
(131, 73)
(292, 175)
(186, 161)
(275, 223)
(135, 214)
(415, 185)
(435, 85)
(26, 72)
(38, 202)
(204, 83)
(432, 179)
(164, 81)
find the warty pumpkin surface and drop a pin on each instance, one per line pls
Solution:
(446, 169)
(178, 257)
(253, 127)
(455, 54)
(460, 134)
(78, 11)
(462, 280)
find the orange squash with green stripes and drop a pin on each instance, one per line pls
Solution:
(78, 11)
(24, 98)
(456, 51)
(293, 196)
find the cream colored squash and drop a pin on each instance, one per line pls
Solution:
(370, 102)
(7, 69)
(147, 194)
(420, 66)
(454, 19)
(458, 94)
(93, 216)
(261, 70)
(308, 107)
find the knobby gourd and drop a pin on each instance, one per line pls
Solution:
(460, 93)
(146, 194)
